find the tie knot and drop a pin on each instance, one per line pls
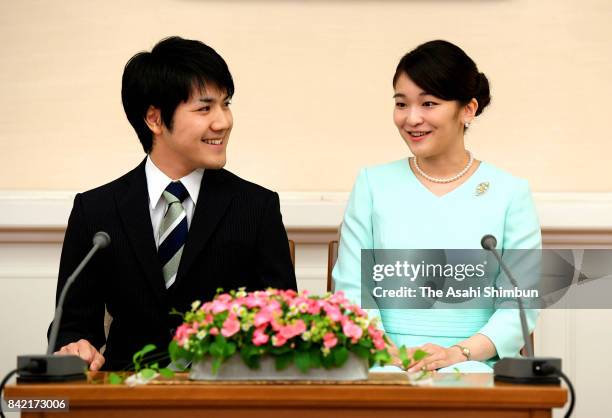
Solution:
(175, 192)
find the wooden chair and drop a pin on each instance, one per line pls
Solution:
(332, 256)
(292, 252)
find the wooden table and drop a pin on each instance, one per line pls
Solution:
(383, 395)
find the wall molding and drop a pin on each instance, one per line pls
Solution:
(567, 219)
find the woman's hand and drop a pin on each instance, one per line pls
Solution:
(438, 357)
(394, 351)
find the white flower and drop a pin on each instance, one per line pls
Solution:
(195, 305)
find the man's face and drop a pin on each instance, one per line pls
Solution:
(200, 131)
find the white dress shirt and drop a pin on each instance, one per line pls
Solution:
(157, 182)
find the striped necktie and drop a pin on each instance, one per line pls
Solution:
(172, 231)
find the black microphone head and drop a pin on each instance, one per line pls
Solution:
(488, 242)
(101, 239)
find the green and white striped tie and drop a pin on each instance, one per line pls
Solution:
(173, 231)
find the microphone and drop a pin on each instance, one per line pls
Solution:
(50, 367)
(489, 242)
(527, 369)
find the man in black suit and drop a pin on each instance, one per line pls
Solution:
(180, 225)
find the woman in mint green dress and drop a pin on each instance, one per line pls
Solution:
(440, 198)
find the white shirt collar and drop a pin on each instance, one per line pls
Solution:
(157, 182)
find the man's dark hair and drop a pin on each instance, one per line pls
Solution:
(165, 77)
(444, 70)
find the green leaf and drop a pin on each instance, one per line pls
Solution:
(174, 350)
(115, 379)
(229, 349)
(167, 373)
(217, 349)
(305, 345)
(365, 343)
(315, 358)
(382, 357)
(147, 349)
(250, 356)
(327, 361)
(340, 355)
(216, 363)
(403, 355)
(280, 350)
(284, 360)
(154, 366)
(252, 362)
(147, 373)
(360, 351)
(175, 312)
(139, 355)
(419, 355)
(302, 361)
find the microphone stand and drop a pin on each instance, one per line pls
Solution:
(50, 367)
(530, 369)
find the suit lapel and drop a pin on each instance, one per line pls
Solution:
(214, 197)
(133, 203)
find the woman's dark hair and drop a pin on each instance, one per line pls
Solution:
(165, 77)
(443, 70)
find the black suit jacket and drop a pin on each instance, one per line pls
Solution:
(236, 239)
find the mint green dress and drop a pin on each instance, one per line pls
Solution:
(389, 208)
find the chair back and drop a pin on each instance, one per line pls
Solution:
(292, 252)
(332, 256)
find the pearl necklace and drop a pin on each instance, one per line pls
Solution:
(449, 179)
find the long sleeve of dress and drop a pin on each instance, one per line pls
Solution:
(521, 231)
(356, 234)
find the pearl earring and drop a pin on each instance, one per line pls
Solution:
(466, 125)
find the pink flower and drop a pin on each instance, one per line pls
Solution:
(377, 337)
(358, 311)
(333, 312)
(290, 331)
(379, 344)
(278, 340)
(275, 325)
(181, 335)
(213, 331)
(253, 301)
(224, 297)
(351, 329)
(230, 326)
(260, 337)
(314, 306)
(218, 306)
(262, 317)
(330, 340)
(338, 298)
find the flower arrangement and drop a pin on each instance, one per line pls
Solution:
(308, 331)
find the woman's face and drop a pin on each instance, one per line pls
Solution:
(430, 126)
